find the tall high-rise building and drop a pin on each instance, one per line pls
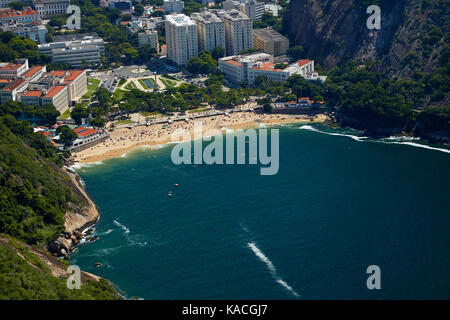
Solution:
(210, 30)
(252, 8)
(148, 37)
(172, 6)
(181, 38)
(238, 31)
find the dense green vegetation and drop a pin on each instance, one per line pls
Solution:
(28, 278)
(13, 47)
(203, 64)
(34, 196)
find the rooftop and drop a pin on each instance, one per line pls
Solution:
(73, 75)
(206, 16)
(84, 131)
(74, 36)
(11, 66)
(233, 15)
(180, 20)
(54, 91)
(269, 34)
(302, 62)
(31, 72)
(32, 93)
(14, 85)
(10, 13)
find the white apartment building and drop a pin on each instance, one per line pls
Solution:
(173, 6)
(76, 53)
(181, 38)
(249, 67)
(48, 8)
(252, 8)
(238, 31)
(210, 30)
(30, 30)
(148, 37)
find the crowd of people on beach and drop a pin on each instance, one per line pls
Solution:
(122, 139)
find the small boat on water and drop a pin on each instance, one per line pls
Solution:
(176, 184)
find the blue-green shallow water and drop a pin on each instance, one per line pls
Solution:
(336, 206)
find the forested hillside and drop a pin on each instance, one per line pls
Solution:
(35, 194)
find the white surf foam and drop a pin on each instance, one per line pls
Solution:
(121, 226)
(271, 268)
(288, 287)
(424, 146)
(77, 165)
(310, 128)
(262, 257)
(401, 138)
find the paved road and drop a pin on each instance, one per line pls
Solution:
(191, 116)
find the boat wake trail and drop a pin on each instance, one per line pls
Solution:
(121, 226)
(310, 128)
(271, 268)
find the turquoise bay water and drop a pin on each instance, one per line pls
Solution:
(338, 204)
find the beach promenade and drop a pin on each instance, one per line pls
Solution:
(125, 138)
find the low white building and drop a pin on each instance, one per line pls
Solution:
(249, 67)
(48, 8)
(86, 51)
(13, 70)
(32, 31)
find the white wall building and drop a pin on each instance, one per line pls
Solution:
(252, 8)
(181, 38)
(249, 67)
(238, 31)
(148, 37)
(210, 30)
(173, 6)
(76, 53)
(34, 32)
(48, 8)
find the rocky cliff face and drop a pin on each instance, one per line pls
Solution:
(332, 31)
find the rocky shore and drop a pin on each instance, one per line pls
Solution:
(79, 217)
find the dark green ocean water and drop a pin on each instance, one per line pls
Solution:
(337, 205)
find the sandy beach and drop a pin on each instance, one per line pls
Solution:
(123, 140)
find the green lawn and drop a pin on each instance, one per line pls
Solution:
(122, 82)
(149, 114)
(130, 85)
(198, 110)
(123, 121)
(65, 115)
(94, 81)
(92, 87)
(118, 94)
(168, 83)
